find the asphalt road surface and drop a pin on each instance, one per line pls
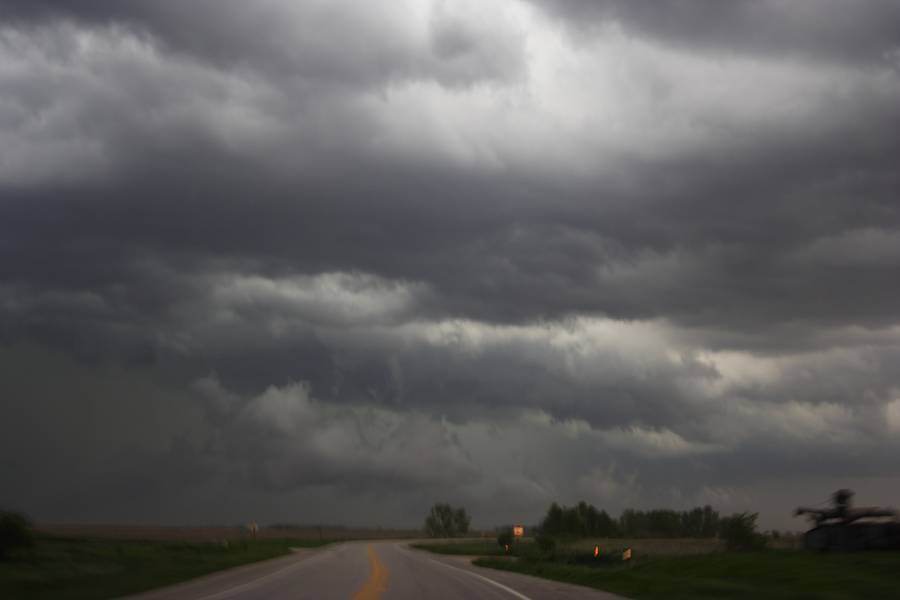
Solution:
(369, 571)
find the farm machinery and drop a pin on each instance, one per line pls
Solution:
(843, 528)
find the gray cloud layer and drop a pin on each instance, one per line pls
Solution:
(348, 256)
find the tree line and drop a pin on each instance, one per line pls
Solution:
(445, 521)
(585, 520)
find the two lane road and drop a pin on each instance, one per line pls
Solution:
(370, 571)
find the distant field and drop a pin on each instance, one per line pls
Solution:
(646, 547)
(526, 547)
(772, 574)
(675, 546)
(297, 532)
(72, 568)
(640, 546)
(651, 547)
(88, 562)
(679, 569)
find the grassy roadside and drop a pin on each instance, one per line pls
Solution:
(73, 568)
(774, 575)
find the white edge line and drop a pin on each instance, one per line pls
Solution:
(483, 578)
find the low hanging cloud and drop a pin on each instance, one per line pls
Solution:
(386, 254)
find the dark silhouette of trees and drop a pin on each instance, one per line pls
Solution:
(739, 532)
(581, 520)
(15, 533)
(553, 522)
(585, 520)
(700, 522)
(446, 521)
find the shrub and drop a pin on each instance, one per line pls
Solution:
(739, 532)
(15, 533)
(546, 544)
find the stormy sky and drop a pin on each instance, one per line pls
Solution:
(333, 261)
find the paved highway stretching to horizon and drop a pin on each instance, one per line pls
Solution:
(387, 570)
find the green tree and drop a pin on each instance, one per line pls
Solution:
(581, 520)
(664, 523)
(461, 521)
(692, 523)
(710, 522)
(608, 525)
(446, 521)
(553, 522)
(585, 520)
(634, 523)
(739, 532)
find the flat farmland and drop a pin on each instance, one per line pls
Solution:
(487, 546)
(91, 562)
(217, 533)
(674, 546)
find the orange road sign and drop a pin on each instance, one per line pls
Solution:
(518, 531)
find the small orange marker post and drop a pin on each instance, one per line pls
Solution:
(626, 555)
(596, 551)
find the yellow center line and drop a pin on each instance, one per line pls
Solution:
(376, 585)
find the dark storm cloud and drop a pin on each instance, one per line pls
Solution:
(381, 250)
(95, 453)
(539, 247)
(832, 30)
(341, 44)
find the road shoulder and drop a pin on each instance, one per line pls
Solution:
(535, 588)
(212, 583)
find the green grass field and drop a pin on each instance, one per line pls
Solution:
(71, 568)
(772, 574)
